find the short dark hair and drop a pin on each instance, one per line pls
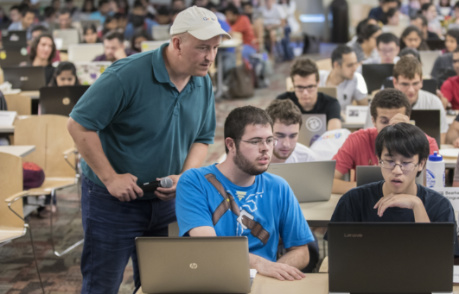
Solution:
(367, 31)
(405, 139)
(387, 38)
(65, 65)
(304, 67)
(337, 54)
(388, 1)
(34, 45)
(422, 17)
(26, 10)
(241, 117)
(114, 35)
(456, 5)
(232, 8)
(40, 28)
(49, 11)
(15, 7)
(391, 12)
(425, 6)
(410, 51)
(454, 33)
(285, 111)
(137, 34)
(65, 11)
(89, 26)
(389, 99)
(407, 66)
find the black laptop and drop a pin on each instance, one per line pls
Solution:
(390, 257)
(436, 44)
(375, 75)
(428, 120)
(60, 100)
(14, 39)
(26, 78)
(10, 57)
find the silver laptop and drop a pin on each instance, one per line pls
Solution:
(89, 72)
(390, 257)
(314, 125)
(365, 174)
(193, 264)
(65, 38)
(85, 52)
(310, 181)
(160, 32)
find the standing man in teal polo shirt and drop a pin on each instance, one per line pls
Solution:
(149, 116)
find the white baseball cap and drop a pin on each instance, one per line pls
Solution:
(198, 22)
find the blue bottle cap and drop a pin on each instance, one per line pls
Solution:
(435, 157)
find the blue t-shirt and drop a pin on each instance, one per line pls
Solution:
(145, 125)
(269, 200)
(357, 206)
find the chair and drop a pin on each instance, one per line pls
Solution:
(324, 64)
(12, 224)
(52, 141)
(20, 103)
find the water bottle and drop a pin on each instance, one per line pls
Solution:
(435, 171)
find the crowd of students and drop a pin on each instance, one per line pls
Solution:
(266, 208)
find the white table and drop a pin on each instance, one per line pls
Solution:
(6, 129)
(18, 150)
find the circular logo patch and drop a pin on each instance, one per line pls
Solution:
(193, 265)
(66, 101)
(313, 124)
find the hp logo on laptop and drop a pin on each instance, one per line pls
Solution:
(193, 265)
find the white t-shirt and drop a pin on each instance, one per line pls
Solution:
(301, 153)
(348, 90)
(426, 100)
(272, 16)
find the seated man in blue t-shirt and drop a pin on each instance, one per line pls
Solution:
(402, 150)
(237, 198)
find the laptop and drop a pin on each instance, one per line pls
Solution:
(60, 100)
(390, 257)
(14, 40)
(428, 59)
(13, 57)
(375, 74)
(194, 264)
(365, 174)
(89, 72)
(26, 78)
(428, 120)
(151, 45)
(314, 125)
(160, 32)
(310, 181)
(65, 38)
(84, 52)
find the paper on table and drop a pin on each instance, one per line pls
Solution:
(253, 273)
(456, 274)
(452, 152)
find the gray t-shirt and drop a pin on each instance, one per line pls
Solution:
(348, 90)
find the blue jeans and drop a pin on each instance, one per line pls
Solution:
(110, 228)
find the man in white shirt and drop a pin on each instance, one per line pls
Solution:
(349, 83)
(287, 120)
(408, 79)
(388, 46)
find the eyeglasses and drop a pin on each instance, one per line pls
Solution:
(271, 141)
(407, 85)
(309, 88)
(404, 166)
(455, 60)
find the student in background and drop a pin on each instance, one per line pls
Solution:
(65, 75)
(452, 137)
(90, 34)
(287, 121)
(136, 41)
(25, 23)
(42, 52)
(422, 24)
(305, 77)
(412, 38)
(349, 83)
(113, 48)
(402, 150)
(429, 11)
(265, 199)
(408, 79)
(388, 46)
(379, 12)
(450, 88)
(388, 107)
(365, 47)
(443, 66)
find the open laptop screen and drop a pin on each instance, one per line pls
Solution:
(390, 257)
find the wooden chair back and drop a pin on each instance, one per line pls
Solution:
(11, 226)
(50, 136)
(20, 103)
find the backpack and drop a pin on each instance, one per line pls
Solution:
(240, 82)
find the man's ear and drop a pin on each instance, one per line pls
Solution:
(230, 144)
(421, 164)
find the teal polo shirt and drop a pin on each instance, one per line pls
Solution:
(145, 125)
